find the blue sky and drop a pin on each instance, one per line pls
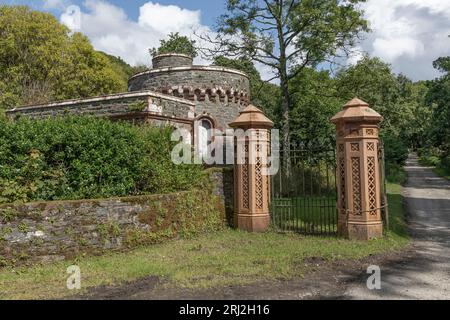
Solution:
(408, 34)
(210, 8)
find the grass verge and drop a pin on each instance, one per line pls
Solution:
(442, 172)
(228, 257)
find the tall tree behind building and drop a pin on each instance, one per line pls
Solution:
(286, 36)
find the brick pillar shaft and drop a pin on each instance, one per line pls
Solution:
(358, 179)
(251, 183)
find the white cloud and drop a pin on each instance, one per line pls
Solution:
(112, 31)
(409, 34)
(56, 4)
(167, 18)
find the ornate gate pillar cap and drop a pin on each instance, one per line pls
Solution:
(357, 110)
(252, 117)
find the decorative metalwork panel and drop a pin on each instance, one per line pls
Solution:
(342, 183)
(259, 183)
(371, 185)
(356, 185)
(371, 146)
(370, 132)
(354, 146)
(245, 181)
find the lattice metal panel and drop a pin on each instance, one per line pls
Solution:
(356, 186)
(371, 185)
(259, 183)
(245, 181)
(342, 183)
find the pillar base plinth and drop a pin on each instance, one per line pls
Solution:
(253, 222)
(364, 231)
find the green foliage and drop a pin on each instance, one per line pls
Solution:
(137, 106)
(176, 44)
(123, 69)
(395, 173)
(433, 157)
(314, 103)
(8, 214)
(395, 150)
(40, 60)
(287, 36)
(438, 98)
(86, 157)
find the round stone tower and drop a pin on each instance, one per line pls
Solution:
(219, 93)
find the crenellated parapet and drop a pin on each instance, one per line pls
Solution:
(220, 92)
(212, 94)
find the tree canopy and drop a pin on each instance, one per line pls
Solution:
(438, 98)
(287, 36)
(41, 60)
(176, 43)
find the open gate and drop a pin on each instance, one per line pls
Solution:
(303, 192)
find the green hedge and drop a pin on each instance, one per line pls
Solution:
(85, 158)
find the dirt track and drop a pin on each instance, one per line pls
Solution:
(423, 272)
(426, 274)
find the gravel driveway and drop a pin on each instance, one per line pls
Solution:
(426, 273)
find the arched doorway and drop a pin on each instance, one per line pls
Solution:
(205, 125)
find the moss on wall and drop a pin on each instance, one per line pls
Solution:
(48, 231)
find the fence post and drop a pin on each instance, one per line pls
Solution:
(251, 183)
(358, 177)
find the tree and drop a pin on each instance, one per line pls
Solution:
(314, 102)
(438, 97)
(40, 60)
(123, 69)
(287, 36)
(372, 81)
(176, 44)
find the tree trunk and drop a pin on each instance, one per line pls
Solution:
(285, 128)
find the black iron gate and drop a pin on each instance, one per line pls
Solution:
(303, 192)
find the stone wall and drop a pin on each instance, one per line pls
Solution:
(223, 187)
(171, 60)
(217, 91)
(112, 106)
(51, 231)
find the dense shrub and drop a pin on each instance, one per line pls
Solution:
(430, 156)
(395, 173)
(86, 157)
(395, 150)
(445, 163)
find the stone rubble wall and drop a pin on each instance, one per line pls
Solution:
(42, 232)
(110, 106)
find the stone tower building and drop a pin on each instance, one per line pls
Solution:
(174, 92)
(218, 92)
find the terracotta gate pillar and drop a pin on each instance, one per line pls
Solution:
(358, 179)
(251, 183)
